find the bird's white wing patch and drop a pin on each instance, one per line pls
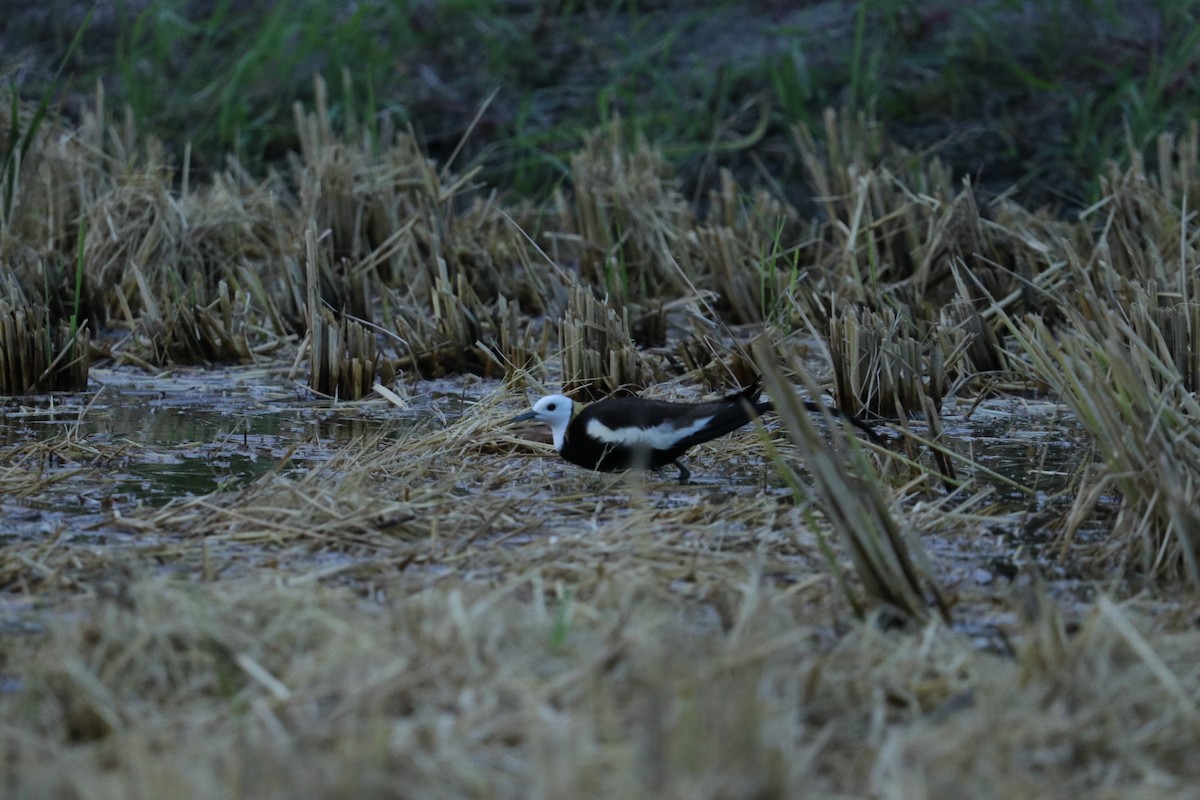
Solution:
(663, 436)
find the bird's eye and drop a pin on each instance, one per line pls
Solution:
(552, 406)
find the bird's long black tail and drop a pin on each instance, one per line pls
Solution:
(751, 396)
(857, 422)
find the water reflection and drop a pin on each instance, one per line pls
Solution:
(1036, 445)
(192, 433)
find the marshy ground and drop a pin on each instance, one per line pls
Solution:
(266, 530)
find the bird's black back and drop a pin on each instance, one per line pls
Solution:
(727, 415)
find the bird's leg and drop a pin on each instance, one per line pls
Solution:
(684, 474)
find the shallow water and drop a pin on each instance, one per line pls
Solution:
(1035, 443)
(190, 433)
(136, 441)
(133, 440)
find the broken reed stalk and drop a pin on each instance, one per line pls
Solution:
(598, 355)
(37, 355)
(879, 367)
(343, 357)
(190, 333)
(850, 494)
(342, 353)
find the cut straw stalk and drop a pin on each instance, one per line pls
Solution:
(624, 217)
(190, 333)
(37, 355)
(343, 355)
(880, 367)
(598, 355)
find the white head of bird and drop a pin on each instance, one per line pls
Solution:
(554, 410)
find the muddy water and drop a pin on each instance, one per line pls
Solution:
(190, 433)
(198, 431)
(1035, 443)
(134, 440)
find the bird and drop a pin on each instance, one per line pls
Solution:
(625, 433)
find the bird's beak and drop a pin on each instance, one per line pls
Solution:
(523, 417)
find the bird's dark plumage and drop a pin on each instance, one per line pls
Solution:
(635, 433)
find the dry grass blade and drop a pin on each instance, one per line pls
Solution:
(854, 505)
(1134, 404)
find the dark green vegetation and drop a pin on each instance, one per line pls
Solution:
(444, 611)
(1036, 95)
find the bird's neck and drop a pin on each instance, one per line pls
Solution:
(559, 430)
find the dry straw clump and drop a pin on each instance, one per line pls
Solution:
(624, 219)
(598, 355)
(881, 367)
(545, 681)
(1066, 718)
(55, 172)
(37, 355)
(133, 244)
